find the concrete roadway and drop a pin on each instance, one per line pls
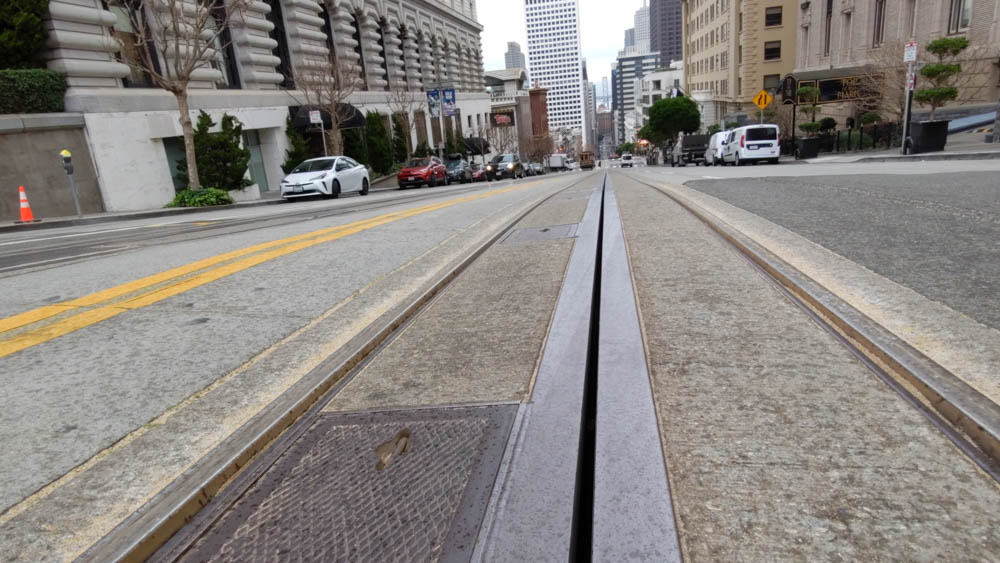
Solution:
(777, 442)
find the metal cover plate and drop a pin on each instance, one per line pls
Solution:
(541, 233)
(324, 499)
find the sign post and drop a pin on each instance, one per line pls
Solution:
(909, 57)
(316, 118)
(67, 163)
(761, 100)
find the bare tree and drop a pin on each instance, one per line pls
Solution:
(539, 147)
(188, 34)
(502, 138)
(402, 102)
(327, 85)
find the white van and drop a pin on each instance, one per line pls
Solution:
(713, 154)
(753, 143)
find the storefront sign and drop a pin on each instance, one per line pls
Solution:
(843, 89)
(502, 119)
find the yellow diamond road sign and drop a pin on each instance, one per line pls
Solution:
(762, 99)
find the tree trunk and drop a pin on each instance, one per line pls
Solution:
(185, 118)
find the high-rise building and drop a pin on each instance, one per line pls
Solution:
(630, 37)
(665, 35)
(629, 71)
(642, 27)
(514, 58)
(554, 58)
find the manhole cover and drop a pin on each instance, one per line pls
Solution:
(541, 233)
(393, 486)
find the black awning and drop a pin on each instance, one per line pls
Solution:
(351, 117)
(477, 145)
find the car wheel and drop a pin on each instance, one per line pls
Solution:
(364, 187)
(433, 182)
(335, 189)
(738, 162)
(774, 161)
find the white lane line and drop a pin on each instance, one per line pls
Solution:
(42, 239)
(714, 177)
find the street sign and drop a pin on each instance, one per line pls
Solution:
(911, 80)
(315, 117)
(910, 52)
(762, 99)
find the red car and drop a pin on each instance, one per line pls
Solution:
(478, 173)
(419, 171)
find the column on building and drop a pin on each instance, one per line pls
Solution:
(251, 37)
(451, 56)
(348, 55)
(79, 48)
(429, 69)
(440, 62)
(371, 50)
(468, 76)
(306, 39)
(414, 72)
(394, 55)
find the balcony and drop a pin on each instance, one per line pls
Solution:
(504, 98)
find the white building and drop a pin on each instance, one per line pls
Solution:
(132, 127)
(642, 27)
(628, 72)
(554, 59)
(656, 86)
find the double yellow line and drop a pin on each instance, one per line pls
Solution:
(40, 325)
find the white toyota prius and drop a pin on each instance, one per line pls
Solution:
(329, 176)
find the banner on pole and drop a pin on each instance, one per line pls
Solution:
(449, 102)
(434, 103)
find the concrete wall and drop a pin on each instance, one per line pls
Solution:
(31, 145)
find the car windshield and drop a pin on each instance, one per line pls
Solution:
(762, 134)
(503, 158)
(418, 162)
(455, 164)
(321, 165)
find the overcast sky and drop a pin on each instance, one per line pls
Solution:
(602, 31)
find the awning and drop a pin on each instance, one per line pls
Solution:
(352, 118)
(825, 73)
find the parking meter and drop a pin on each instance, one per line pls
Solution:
(67, 161)
(67, 164)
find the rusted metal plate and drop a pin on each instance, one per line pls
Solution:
(541, 233)
(390, 486)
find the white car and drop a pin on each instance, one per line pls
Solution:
(329, 176)
(713, 154)
(627, 160)
(753, 143)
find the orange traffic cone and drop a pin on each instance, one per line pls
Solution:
(26, 215)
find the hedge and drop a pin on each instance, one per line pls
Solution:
(31, 91)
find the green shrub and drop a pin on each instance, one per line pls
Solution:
(222, 161)
(298, 148)
(943, 74)
(422, 150)
(827, 123)
(869, 117)
(22, 32)
(811, 127)
(205, 197)
(379, 145)
(354, 145)
(713, 129)
(400, 146)
(31, 91)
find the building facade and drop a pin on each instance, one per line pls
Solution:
(554, 59)
(665, 30)
(861, 43)
(733, 50)
(628, 74)
(390, 48)
(514, 58)
(642, 27)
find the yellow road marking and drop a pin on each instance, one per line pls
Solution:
(271, 250)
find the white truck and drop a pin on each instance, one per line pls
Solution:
(556, 162)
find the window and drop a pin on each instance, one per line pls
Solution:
(133, 47)
(771, 82)
(827, 22)
(278, 34)
(772, 16)
(960, 14)
(879, 30)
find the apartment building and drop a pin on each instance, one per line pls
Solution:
(844, 43)
(554, 59)
(132, 127)
(733, 49)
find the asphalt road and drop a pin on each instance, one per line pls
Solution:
(938, 234)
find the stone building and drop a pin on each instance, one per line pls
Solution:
(734, 49)
(401, 47)
(850, 47)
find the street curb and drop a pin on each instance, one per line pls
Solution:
(969, 418)
(990, 155)
(131, 216)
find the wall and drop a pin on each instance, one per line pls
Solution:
(37, 140)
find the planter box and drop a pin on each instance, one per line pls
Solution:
(809, 148)
(928, 136)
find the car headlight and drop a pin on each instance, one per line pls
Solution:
(321, 177)
(510, 166)
(489, 168)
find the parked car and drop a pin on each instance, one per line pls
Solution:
(626, 160)
(419, 171)
(478, 173)
(328, 176)
(538, 168)
(529, 171)
(713, 154)
(459, 171)
(504, 166)
(753, 143)
(689, 149)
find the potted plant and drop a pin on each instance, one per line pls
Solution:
(808, 147)
(931, 135)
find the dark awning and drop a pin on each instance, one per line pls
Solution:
(825, 73)
(477, 145)
(352, 118)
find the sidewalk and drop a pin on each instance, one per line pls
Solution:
(968, 145)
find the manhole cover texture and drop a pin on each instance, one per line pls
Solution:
(325, 500)
(541, 233)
